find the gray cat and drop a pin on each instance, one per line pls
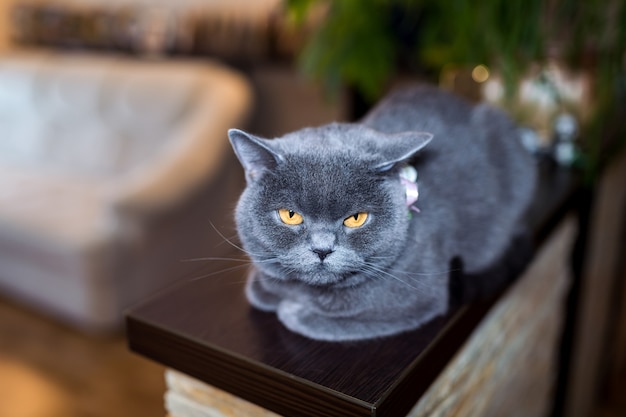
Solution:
(347, 244)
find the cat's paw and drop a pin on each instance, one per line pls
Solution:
(310, 323)
(305, 322)
(259, 296)
(301, 319)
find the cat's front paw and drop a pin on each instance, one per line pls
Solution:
(258, 295)
(305, 322)
(310, 323)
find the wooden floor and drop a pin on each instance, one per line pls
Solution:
(47, 370)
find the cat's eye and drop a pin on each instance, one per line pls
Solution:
(356, 220)
(290, 217)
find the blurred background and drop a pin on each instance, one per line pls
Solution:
(117, 180)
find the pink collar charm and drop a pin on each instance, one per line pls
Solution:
(408, 178)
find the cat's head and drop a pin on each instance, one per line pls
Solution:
(326, 205)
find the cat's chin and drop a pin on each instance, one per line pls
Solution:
(328, 279)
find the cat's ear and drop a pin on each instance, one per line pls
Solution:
(254, 153)
(400, 147)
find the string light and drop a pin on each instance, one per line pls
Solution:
(480, 73)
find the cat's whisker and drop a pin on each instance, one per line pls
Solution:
(233, 236)
(221, 234)
(233, 244)
(382, 258)
(417, 274)
(414, 277)
(227, 240)
(210, 258)
(426, 274)
(388, 276)
(225, 259)
(243, 263)
(221, 271)
(366, 267)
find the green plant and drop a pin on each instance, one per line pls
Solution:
(366, 43)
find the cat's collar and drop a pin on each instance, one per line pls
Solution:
(408, 178)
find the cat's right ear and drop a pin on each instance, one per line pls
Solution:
(400, 147)
(254, 153)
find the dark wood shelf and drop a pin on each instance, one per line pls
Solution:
(205, 328)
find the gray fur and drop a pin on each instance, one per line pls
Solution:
(391, 275)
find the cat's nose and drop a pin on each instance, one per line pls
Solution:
(322, 253)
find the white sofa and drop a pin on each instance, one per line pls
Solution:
(113, 171)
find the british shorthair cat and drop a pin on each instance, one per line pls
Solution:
(351, 227)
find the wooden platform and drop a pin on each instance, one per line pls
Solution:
(205, 328)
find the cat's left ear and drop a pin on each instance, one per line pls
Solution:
(400, 147)
(255, 154)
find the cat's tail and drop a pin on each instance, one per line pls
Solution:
(469, 287)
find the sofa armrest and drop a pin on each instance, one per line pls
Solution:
(192, 156)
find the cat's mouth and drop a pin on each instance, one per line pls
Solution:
(322, 277)
(339, 270)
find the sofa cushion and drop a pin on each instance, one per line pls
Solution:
(70, 212)
(90, 116)
(18, 79)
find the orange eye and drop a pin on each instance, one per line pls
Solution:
(356, 220)
(290, 217)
